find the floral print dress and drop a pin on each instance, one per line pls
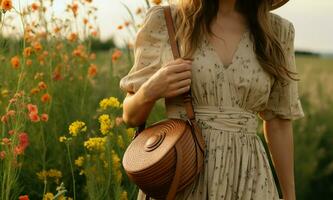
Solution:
(228, 102)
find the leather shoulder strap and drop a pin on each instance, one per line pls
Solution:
(175, 50)
(176, 54)
(171, 32)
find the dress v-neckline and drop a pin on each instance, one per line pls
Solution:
(243, 36)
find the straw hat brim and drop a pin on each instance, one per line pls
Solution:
(278, 3)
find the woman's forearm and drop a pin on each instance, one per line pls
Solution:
(137, 106)
(279, 137)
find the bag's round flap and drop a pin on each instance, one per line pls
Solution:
(164, 133)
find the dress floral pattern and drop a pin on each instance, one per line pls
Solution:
(228, 101)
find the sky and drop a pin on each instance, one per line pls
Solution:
(312, 19)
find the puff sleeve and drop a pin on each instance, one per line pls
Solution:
(148, 46)
(283, 100)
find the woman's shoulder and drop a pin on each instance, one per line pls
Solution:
(155, 15)
(282, 26)
(280, 21)
(153, 27)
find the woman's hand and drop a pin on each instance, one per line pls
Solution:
(170, 80)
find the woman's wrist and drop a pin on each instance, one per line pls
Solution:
(147, 93)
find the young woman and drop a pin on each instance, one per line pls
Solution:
(239, 60)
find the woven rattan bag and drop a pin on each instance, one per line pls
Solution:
(167, 156)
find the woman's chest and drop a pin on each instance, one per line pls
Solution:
(244, 76)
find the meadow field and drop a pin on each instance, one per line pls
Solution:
(62, 135)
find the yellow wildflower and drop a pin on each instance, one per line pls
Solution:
(123, 195)
(109, 102)
(77, 127)
(62, 139)
(120, 142)
(106, 164)
(130, 132)
(48, 196)
(4, 92)
(62, 197)
(115, 160)
(56, 174)
(105, 123)
(118, 176)
(52, 173)
(79, 161)
(42, 175)
(102, 156)
(97, 143)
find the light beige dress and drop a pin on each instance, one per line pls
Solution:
(228, 101)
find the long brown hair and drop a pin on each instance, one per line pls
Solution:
(195, 17)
